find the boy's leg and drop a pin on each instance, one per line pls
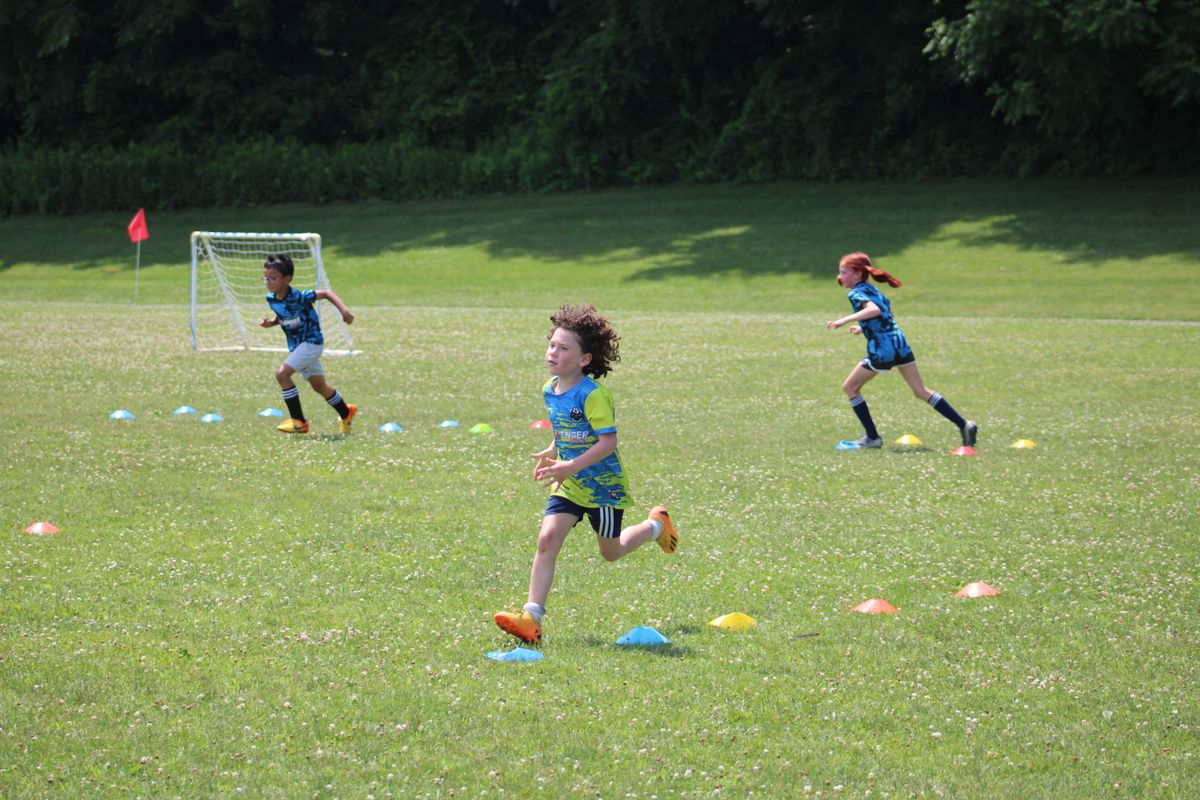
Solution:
(333, 397)
(295, 423)
(555, 528)
(526, 624)
(657, 525)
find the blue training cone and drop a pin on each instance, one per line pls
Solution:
(120, 413)
(270, 412)
(516, 654)
(212, 418)
(391, 427)
(184, 410)
(642, 636)
(846, 444)
(448, 423)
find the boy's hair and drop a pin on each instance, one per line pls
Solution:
(281, 263)
(862, 263)
(595, 334)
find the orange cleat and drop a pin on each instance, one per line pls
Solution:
(520, 624)
(345, 423)
(668, 539)
(293, 426)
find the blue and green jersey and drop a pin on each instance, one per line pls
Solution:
(579, 415)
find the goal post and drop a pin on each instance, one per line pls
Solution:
(228, 294)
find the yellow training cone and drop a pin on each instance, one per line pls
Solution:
(909, 440)
(737, 621)
(1023, 444)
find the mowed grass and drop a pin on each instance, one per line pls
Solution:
(231, 611)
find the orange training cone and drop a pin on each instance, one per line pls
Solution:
(875, 606)
(963, 451)
(42, 528)
(978, 589)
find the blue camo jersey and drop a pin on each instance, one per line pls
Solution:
(885, 340)
(298, 317)
(579, 415)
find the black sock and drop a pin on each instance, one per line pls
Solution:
(339, 405)
(859, 404)
(946, 410)
(292, 398)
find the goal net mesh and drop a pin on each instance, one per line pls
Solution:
(229, 297)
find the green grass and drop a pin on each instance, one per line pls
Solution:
(227, 609)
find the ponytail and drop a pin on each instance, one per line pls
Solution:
(862, 262)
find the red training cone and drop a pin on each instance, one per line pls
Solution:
(541, 423)
(875, 606)
(963, 451)
(42, 528)
(978, 589)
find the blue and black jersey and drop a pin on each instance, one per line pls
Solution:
(886, 345)
(298, 316)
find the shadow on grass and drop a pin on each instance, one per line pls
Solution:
(666, 232)
(662, 650)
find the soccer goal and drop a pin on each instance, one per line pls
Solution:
(228, 294)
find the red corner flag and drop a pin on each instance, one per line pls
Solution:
(137, 227)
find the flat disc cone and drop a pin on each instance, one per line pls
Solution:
(42, 528)
(737, 621)
(875, 606)
(963, 451)
(979, 589)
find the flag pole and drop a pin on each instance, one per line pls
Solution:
(136, 270)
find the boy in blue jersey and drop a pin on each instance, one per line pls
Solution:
(294, 312)
(886, 348)
(582, 463)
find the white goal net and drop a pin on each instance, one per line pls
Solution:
(229, 296)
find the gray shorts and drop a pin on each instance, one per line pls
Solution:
(306, 359)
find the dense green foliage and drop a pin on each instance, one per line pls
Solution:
(537, 94)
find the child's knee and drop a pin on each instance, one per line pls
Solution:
(283, 375)
(549, 541)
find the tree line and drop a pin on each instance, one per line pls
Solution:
(405, 99)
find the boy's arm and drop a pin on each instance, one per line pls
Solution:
(331, 296)
(269, 322)
(543, 457)
(555, 472)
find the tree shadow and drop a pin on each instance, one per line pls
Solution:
(676, 231)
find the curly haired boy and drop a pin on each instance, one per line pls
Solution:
(581, 463)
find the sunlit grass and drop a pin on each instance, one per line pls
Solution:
(231, 611)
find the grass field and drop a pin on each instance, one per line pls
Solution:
(228, 611)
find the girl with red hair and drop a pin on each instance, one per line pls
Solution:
(886, 348)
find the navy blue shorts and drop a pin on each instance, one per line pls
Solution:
(606, 520)
(876, 363)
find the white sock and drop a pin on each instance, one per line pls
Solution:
(537, 610)
(656, 524)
